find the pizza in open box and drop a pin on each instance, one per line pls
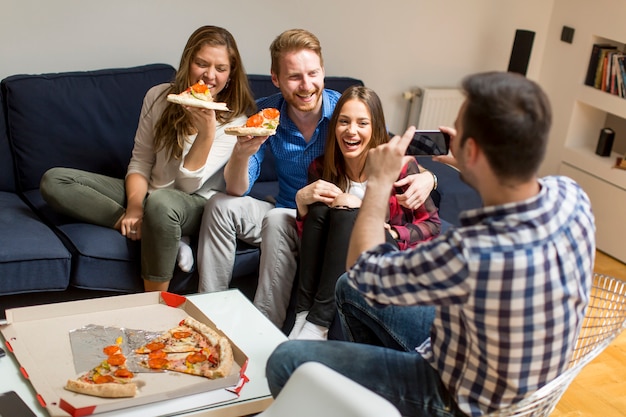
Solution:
(192, 348)
(264, 123)
(198, 95)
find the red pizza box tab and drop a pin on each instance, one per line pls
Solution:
(39, 338)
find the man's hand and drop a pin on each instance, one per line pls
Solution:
(385, 161)
(318, 191)
(383, 166)
(236, 169)
(417, 188)
(247, 146)
(449, 158)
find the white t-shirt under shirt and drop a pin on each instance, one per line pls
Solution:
(357, 188)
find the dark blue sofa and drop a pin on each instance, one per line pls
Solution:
(84, 120)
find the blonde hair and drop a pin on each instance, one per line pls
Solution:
(174, 123)
(293, 40)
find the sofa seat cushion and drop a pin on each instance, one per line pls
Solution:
(32, 258)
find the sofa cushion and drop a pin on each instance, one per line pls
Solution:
(32, 258)
(85, 120)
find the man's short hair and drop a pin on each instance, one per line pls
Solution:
(509, 116)
(293, 40)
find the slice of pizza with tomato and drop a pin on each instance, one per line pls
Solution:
(191, 347)
(109, 379)
(263, 123)
(198, 95)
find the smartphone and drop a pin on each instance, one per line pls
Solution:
(429, 142)
(11, 404)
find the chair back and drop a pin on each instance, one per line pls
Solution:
(605, 319)
(315, 390)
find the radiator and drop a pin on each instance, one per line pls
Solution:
(434, 107)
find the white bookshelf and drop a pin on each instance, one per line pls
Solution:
(581, 112)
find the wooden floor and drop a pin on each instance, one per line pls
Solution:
(600, 388)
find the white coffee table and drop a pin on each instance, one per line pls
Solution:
(232, 312)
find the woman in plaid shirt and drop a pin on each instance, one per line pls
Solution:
(357, 125)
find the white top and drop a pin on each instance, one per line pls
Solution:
(163, 172)
(357, 188)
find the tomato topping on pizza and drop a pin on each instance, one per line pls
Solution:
(198, 95)
(263, 123)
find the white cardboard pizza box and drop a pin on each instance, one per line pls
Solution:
(39, 338)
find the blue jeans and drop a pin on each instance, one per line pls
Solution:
(381, 355)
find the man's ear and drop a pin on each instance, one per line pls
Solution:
(275, 80)
(472, 150)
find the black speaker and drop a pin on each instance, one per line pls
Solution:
(520, 54)
(605, 142)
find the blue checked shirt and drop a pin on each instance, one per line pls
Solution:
(292, 153)
(510, 286)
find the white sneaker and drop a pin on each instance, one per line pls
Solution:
(311, 331)
(297, 325)
(185, 254)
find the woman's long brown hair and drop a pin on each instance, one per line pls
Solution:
(334, 168)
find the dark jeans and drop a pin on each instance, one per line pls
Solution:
(393, 369)
(323, 251)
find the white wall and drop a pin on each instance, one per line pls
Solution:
(391, 45)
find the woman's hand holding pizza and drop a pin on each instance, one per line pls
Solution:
(203, 120)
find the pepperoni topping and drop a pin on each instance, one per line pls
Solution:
(117, 359)
(181, 334)
(111, 350)
(157, 354)
(152, 346)
(123, 373)
(103, 379)
(157, 363)
(196, 357)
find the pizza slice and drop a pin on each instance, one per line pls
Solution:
(191, 347)
(198, 95)
(109, 379)
(264, 123)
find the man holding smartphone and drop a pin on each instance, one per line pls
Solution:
(509, 286)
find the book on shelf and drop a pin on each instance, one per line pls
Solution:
(607, 69)
(622, 67)
(594, 61)
(603, 66)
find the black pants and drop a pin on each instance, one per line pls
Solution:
(323, 251)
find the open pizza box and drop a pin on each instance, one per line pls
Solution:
(40, 339)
